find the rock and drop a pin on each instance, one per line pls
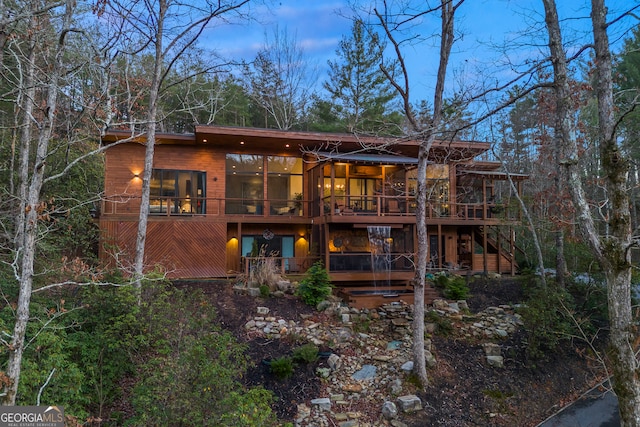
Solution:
(491, 349)
(334, 361)
(400, 321)
(407, 367)
(396, 423)
(429, 359)
(463, 305)
(323, 305)
(323, 372)
(350, 423)
(253, 292)
(366, 373)
(396, 386)
(381, 358)
(430, 328)
(342, 310)
(283, 285)
(440, 304)
(323, 403)
(303, 411)
(409, 403)
(394, 345)
(352, 388)
(495, 361)
(389, 410)
(346, 318)
(250, 324)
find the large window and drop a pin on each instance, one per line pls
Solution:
(438, 189)
(284, 185)
(245, 185)
(177, 192)
(244, 188)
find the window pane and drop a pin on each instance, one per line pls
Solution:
(243, 163)
(284, 185)
(289, 165)
(244, 187)
(174, 190)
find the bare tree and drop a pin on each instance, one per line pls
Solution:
(425, 132)
(280, 80)
(39, 92)
(166, 29)
(612, 249)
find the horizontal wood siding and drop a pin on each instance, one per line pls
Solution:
(126, 160)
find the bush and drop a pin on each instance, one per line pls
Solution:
(282, 367)
(192, 368)
(307, 353)
(316, 286)
(546, 320)
(443, 324)
(264, 291)
(453, 287)
(456, 288)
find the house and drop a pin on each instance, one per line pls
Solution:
(220, 195)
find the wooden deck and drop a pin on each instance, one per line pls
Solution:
(371, 297)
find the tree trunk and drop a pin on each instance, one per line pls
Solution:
(612, 250)
(615, 248)
(154, 91)
(561, 262)
(28, 234)
(419, 363)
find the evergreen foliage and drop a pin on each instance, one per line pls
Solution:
(360, 92)
(316, 286)
(185, 366)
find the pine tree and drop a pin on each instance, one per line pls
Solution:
(360, 92)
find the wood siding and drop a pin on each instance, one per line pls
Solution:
(186, 249)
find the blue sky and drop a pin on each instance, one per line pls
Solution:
(319, 25)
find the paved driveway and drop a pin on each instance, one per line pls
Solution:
(594, 409)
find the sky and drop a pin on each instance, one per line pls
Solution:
(320, 25)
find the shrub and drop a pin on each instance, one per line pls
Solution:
(264, 291)
(453, 287)
(192, 368)
(443, 324)
(316, 286)
(456, 288)
(307, 353)
(546, 320)
(282, 367)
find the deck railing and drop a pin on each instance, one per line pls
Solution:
(285, 265)
(366, 261)
(330, 207)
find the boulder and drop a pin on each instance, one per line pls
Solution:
(389, 410)
(409, 403)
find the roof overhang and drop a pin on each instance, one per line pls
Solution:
(278, 142)
(366, 158)
(495, 175)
